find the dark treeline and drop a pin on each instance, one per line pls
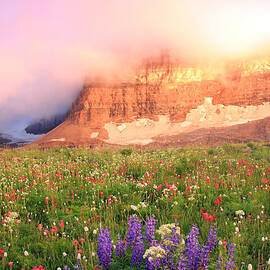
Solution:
(44, 125)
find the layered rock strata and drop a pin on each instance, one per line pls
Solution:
(165, 99)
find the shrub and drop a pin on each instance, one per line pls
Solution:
(126, 152)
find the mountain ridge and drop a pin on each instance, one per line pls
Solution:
(165, 99)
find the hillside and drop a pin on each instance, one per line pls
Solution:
(165, 99)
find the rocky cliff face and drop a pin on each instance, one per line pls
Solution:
(166, 99)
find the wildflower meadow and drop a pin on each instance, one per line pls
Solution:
(188, 208)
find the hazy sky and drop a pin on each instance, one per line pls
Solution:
(48, 47)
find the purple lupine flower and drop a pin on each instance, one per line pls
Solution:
(134, 228)
(150, 229)
(120, 247)
(170, 262)
(171, 246)
(219, 263)
(156, 262)
(78, 266)
(192, 248)
(208, 247)
(181, 265)
(174, 238)
(138, 252)
(135, 239)
(230, 264)
(105, 248)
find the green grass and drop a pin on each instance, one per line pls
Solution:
(92, 190)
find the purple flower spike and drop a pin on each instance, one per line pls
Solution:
(208, 247)
(120, 247)
(138, 252)
(230, 264)
(193, 248)
(105, 248)
(134, 230)
(219, 263)
(181, 265)
(150, 229)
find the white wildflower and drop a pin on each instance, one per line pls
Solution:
(167, 229)
(133, 207)
(240, 213)
(143, 205)
(154, 252)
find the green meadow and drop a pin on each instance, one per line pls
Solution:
(54, 203)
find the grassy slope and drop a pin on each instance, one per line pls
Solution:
(93, 189)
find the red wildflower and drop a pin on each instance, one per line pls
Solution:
(205, 215)
(211, 218)
(61, 225)
(82, 240)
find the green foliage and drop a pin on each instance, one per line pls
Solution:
(231, 149)
(251, 145)
(126, 152)
(85, 190)
(184, 166)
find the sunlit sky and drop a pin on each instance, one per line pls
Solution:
(48, 47)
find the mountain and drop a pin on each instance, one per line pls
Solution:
(16, 139)
(45, 125)
(4, 139)
(165, 102)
